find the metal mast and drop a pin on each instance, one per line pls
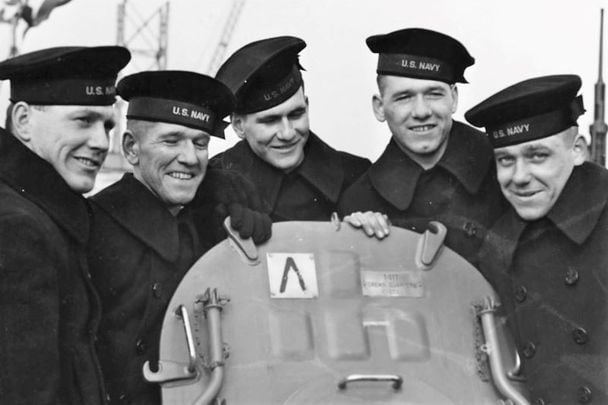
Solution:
(147, 44)
(147, 39)
(599, 128)
(220, 49)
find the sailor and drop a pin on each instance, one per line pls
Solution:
(547, 254)
(299, 176)
(434, 168)
(145, 230)
(56, 139)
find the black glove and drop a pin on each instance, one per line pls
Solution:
(227, 193)
(247, 222)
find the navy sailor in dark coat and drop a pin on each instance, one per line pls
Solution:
(434, 168)
(55, 142)
(145, 235)
(547, 255)
(299, 176)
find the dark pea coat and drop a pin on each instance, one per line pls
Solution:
(310, 192)
(552, 277)
(460, 191)
(49, 312)
(138, 254)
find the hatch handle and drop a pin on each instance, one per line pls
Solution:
(491, 347)
(395, 379)
(173, 371)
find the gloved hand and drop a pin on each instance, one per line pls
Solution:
(228, 193)
(247, 222)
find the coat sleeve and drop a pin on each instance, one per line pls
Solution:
(29, 312)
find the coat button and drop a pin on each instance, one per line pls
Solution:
(529, 350)
(580, 336)
(584, 394)
(140, 346)
(521, 293)
(470, 229)
(157, 290)
(571, 276)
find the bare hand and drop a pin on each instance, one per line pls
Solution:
(373, 223)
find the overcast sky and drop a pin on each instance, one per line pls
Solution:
(511, 41)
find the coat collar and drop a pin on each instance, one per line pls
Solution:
(577, 217)
(37, 180)
(320, 168)
(468, 157)
(136, 209)
(574, 216)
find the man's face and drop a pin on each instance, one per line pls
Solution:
(278, 135)
(533, 174)
(169, 159)
(418, 113)
(74, 139)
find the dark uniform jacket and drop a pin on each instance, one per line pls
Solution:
(460, 190)
(552, 277)
(309, 193)
(49, 312)
(138, 254)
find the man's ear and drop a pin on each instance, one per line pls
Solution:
(454, 90)
(378, 107)
(238, 125)
(580, 150)
(130, 147)
(21, 120)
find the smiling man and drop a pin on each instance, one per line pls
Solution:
(299, 177)
(58, 122)
(434, 168)
(547, 254)
(144, 239)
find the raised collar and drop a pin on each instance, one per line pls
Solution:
(37, 180)
(468, 157)
(142, 214)
(572, 214)
(577, 216)
(320, 168)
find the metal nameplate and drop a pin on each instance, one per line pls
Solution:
(392, 283)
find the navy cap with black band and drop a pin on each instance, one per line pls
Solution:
(178, 97)
(421, 54)
(264, 73)
(532, 109)
(65, 75)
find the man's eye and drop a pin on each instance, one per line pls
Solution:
(505, 160)
(538, 157)
(268, 121)
(170, 142)
(296, 114)
(84, 120)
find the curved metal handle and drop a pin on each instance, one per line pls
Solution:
(169, 371)
(182, 312)
(247, 250)
(429, 244)
(499, 376)
(395, 379)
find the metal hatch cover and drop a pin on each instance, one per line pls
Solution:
(328, 315)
